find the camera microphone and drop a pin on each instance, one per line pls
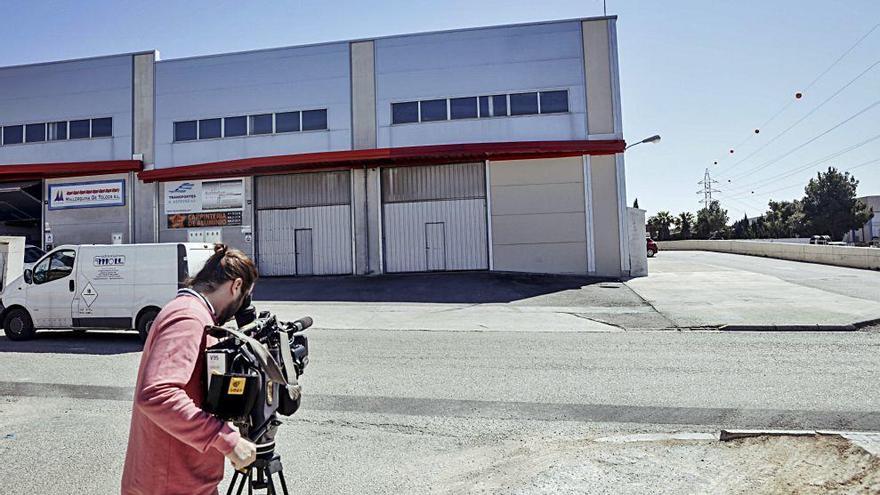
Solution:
(302, 324)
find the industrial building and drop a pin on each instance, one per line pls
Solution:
(497, 148)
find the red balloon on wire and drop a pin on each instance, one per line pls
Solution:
(731, 152)
(798, 95)
(757, 131)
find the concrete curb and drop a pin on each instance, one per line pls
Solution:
(789, 328)
(852, 327)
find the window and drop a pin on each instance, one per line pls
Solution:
(463, 108)
(523, 103)
(13, 134)
(261, 124)
(184, 131)
(484, 107)
(58, 265)
(32, 254)
(102, 127)
(57, 131)
(235, 126)
(433, 110)
(499, 106)
(287, 122)
(209, 128)
(34, 133)
(404, 113)
(79, 129)
(554, 101)
(314, 120)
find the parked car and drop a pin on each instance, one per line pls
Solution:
(652, 247)
(31, 255)
(820, 239)
(875, 242)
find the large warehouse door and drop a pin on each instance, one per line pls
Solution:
(434, 218)
(304, 224)
(21, 210)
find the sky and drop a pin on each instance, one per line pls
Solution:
(702, 74)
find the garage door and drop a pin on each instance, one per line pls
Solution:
(304, 224)
(434, 218)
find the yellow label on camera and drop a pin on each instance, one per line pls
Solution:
(236, 385)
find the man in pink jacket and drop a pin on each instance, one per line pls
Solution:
(174, 447)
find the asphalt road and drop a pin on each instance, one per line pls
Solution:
(391, 411)
(404, 396)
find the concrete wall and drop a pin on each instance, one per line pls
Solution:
(63, 91)
(497, 60)
(638, 253)
(854, 257)
(264, 81)
(605, 214)
(600, 66)
(89, 225)
(537, 210)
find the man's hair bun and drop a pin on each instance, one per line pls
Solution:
(220, 249)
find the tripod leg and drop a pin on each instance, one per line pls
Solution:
(283, 483)
(245, 480)
(270, 483)
(232, 483)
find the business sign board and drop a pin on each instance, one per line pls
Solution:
(95, 194)
(197, 196)
(204, 219)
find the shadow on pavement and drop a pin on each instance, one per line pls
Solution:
(467, 287)
(69, 342)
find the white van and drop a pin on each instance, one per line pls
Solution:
(119, 286)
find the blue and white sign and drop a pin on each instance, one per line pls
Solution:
(197, 196)
(95, 194)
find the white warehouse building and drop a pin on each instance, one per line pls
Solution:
(497, 148)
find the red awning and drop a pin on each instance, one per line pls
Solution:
(31, 171)
(411, 155)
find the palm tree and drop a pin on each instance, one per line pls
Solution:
(663, 220)
(684, 222)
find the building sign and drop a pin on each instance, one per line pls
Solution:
(204, 219)
(87, 194)
(196, 196)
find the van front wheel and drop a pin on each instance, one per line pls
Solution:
(18, 325)
(144, 322)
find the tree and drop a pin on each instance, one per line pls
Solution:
(785, 219)
(662, 222)
(684, 222)
(742, 228)
(636, 203)
(711, 220)
(830, 205)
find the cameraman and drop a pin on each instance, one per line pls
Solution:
(174, 446)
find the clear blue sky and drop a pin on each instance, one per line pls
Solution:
(704, 74)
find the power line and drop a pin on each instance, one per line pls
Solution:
(811, 84)
(811, 112)
(809, 141)
(770, 180)
(708, 189)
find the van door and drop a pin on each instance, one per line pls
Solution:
(50, 296)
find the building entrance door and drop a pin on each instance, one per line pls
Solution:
(435, 246)
(303, 246)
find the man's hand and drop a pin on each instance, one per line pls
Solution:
(243, 454)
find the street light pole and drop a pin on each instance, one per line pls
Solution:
(653, 139)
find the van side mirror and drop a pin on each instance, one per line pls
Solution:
(28, 276)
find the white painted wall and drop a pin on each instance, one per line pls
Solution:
(478, 62)
(264, 81)
(638, 252)
(63, 91)
(855, 257)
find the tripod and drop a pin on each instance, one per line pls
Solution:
(266, 465)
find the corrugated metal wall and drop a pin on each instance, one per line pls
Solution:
(453, 195)
(297, 190)
(316, 201)
(456, 181)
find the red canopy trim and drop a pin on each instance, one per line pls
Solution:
(411, 155)
(31, 171)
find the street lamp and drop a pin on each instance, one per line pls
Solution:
(653, 139)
